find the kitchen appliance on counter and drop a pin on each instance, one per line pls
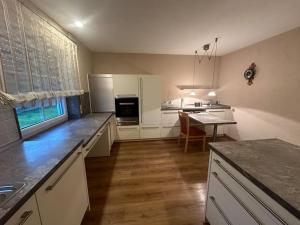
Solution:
(127, 111)
(101, 92)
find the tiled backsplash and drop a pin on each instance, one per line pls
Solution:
(8, 126)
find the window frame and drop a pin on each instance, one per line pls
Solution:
(45, 125)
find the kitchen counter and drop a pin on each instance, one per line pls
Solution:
(192, 107)
(271, 164)
(33, 161)
(81, 129)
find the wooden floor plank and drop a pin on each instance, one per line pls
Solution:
(148, 183)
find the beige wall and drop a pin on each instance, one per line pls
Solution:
(270, 107)
(84, 64)
(173, 69)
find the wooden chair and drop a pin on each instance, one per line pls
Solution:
(190, 133)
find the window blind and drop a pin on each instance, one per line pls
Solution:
(37, 60)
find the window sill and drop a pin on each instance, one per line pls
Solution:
(38, 128)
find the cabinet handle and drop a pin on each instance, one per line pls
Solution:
(171, 112)
(25, 216)
(251, 193)
(150, 127)
(129, 95)
(95, 142)
(215, 111)
(128, 128)
(213, 200)
(52, 186)
(237, 199)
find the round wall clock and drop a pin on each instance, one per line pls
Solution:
(249, 74)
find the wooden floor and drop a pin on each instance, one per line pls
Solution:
(148, 183)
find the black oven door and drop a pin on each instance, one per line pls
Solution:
(127, 109)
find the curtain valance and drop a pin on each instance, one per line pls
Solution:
(37, 60)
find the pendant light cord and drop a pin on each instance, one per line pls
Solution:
(215, 57)
(194, 69)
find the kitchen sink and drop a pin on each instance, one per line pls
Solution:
(9, 191)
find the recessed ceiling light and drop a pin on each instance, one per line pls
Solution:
(78, 24)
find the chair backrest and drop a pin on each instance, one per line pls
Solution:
(184, 122)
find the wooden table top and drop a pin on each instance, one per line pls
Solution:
(208, 119)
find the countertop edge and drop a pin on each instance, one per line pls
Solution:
(260, 185)
(32, 191)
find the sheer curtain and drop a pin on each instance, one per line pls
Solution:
(37, 60)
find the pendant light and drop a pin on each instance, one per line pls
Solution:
(212, 93)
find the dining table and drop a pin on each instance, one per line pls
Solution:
(207, 119)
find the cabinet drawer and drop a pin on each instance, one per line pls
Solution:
(169, 131)
(170, 117)
(128, 132)
(63, 198)
(214, 214)
(28, 214)
(265, 209)
(228, 204)
(150, 132)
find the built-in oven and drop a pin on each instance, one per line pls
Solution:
(127, 111)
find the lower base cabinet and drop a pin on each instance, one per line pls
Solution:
(233, 199)
(148, 132)
(170, 131)
(100, 145)
(128, 132)
(28, 214)
(63, 198)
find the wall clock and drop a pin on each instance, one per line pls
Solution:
(249, 74)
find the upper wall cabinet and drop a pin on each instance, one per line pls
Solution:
(37, 60)
(126, 86)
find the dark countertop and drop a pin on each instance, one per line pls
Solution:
(271, 164)
(213, 106)
(81, 129)
(33, 161)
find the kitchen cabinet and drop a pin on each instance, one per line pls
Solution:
(150, 104)
(100, 145)
(63, 198)
(221, 113)
(28, 214)
(233, 199)
(112, 130)
(170, 126)
(126, 85)
(128, 132)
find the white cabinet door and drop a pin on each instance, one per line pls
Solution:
(128, 132)
(169, 131)
(170, 117)
(150, 99)
(126, 85)
(63, 198)
(170, 126)
(28, 214)
(221, 113)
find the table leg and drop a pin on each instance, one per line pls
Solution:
(215, 133)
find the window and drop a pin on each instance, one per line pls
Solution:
(40, 113)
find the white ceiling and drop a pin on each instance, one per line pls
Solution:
(172, 26)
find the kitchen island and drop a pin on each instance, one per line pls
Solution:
(259, 181)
